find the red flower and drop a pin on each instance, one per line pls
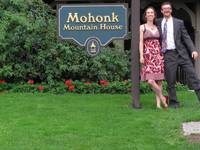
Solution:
(71, 87)
(104, 82)
(2, 81)
(30, 81)
(87, 83)
(68, 82)
(40, 88)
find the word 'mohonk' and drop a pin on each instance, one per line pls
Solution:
(75, 17)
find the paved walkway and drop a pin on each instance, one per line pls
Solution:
(190, 128)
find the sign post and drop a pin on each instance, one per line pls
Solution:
(135, 24)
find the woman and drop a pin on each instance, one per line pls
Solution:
(151, 59)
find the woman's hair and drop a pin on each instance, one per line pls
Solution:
(145, 12)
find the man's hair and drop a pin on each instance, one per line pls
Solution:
(166, 3)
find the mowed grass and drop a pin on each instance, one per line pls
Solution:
(93, 122)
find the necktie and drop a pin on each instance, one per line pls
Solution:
(164, 38)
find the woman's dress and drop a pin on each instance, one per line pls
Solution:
(153, 67)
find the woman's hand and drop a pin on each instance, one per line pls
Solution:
(142, 60)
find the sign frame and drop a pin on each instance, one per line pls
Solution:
(59, 6)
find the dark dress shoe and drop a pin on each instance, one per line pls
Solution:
(198, 94)
(174, 105)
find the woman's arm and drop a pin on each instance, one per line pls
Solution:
(141, 44)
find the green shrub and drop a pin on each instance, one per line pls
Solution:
(29, 49)
(5, 87)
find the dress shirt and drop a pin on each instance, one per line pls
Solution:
(170, 32)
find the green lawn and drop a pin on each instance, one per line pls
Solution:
(93, 122)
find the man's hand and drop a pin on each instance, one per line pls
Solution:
(194, 55)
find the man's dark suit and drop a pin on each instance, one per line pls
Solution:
(179, 56)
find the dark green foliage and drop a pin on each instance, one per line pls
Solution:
(29, 49)
(145, 87)
(115, 87)
(5, 87)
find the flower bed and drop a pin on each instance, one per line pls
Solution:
(102, 86)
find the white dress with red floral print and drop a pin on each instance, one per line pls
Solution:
(153, 67)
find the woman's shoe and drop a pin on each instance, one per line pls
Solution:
(167, 99)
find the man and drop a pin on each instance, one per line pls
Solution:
(176, 46)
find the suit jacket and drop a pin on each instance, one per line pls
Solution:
(182, 39)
